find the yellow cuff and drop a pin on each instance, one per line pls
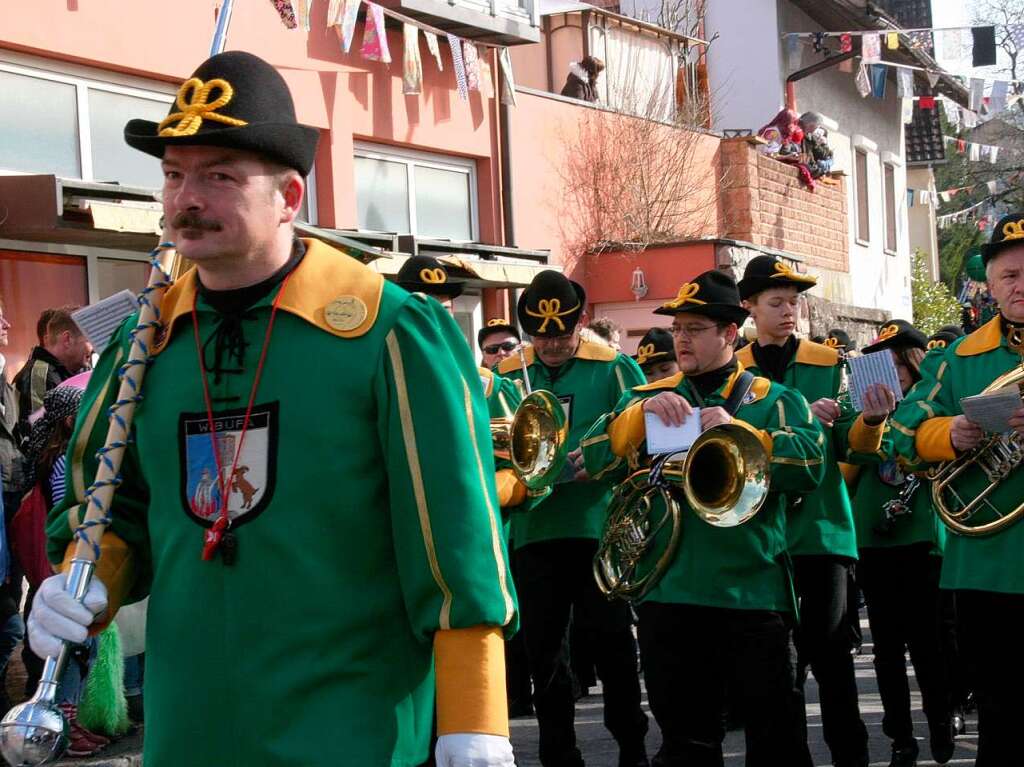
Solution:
(469, 666)
(628, 431)
(511, 492)
(116, 568)
(865, 438)
(761, 434)
(932, 440)
(851, 474)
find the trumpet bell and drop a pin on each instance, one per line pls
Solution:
(538, 440)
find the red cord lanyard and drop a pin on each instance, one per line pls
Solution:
(215, 534)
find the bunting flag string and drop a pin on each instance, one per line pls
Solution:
(375, 37)
(987, 152)
(459, 66)
(286, 12)
(412, 65)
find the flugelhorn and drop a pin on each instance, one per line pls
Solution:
(724, 479)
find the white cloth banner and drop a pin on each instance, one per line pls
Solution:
(997, 98)
(907, 110)
(904, 83)
(977, 94)
(870, 47)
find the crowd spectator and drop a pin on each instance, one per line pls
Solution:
(63, 351)
(606, 331)
(582, 80)
(497, 340)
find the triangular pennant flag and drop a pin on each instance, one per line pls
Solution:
(933, 79)
(904, 83)
(472, 64)
(375, 36)
(870, 47)
(984, 54)
(459, 66)
(907, 110)
(878, 72)
(412, 64)
(347, 29)
(977, 93)
(508, 81)
(862, 81)
(892, 41)
(432, 46)
(286, 12)
(302, 11)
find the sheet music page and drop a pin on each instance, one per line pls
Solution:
(992, 411)
(874, 368)
(671, 439)
(99, 320)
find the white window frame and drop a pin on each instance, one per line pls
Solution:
(411, 159)
(892, 213)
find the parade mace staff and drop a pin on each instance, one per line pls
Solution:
(376, 559)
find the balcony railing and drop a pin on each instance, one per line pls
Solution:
(501, 22)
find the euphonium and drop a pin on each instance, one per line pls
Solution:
(970, 485)
(535, 439)
(723, 476)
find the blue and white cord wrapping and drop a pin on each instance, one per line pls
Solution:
(81, 532)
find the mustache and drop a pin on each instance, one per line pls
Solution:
(188, 220)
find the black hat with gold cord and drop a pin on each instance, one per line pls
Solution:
(896, 334)
(233, 100)
(764, 272)
(551, 305)
(711, 294)
(426, 274)
(656, 346)
(1009, 231)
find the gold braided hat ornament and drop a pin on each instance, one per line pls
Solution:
(887, 332)
(936, 343)
(550, 310)
(1013, 230)
(644, 353)
(832, 342)
(493, 323)
(686, 295)
(435, 276)
(784, 271)
(194, 102)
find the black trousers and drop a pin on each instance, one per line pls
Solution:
(693, 654)
(901, 586)
(556, 581)
(823, 643)
(990, 626)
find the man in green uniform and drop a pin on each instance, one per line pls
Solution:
(820, 526)
(556, 541)
(308, 497)
(722, 614)
(986, 571)
(497, 340)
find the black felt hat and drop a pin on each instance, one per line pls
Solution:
(234, 100)
(897, 334)
(764, 272)
(551, 305)
(426, 274)
(655, 346)
(494, 325)
(944, 336)
(839, 339)
(1009, 231)
(712, 294)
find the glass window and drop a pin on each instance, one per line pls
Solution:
(382, 195)
(442, 204)
(112, 159)
(39, 126)
(55, 281)
(114, 275)
(861, 180)
(890, 208)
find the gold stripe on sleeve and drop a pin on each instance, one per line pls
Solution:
(622, 382)
(795, 461)
(416, 475)
(595, 440)
(499, 558)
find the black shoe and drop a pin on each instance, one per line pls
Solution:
(633, 757)
(904, 754)
(942, 742)
(960, 722)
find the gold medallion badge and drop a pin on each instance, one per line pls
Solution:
(345, 313)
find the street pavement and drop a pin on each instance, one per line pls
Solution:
(599, 749)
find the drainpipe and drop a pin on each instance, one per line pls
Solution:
(800, 74)
(506, 175)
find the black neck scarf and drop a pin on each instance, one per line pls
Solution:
(710, 382)
(773, 360)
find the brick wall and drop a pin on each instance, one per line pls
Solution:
(764, 202)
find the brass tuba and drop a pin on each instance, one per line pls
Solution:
(968, 491)
(535, 439)
(723, 476)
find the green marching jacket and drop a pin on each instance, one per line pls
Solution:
(366, 520)
(741, 567)
(921, 435)
(588, 386)
(820, 522)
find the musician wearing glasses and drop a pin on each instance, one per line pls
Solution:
(344, 568)
(819, 530)
(497, 340)
(982, 562)
(721, 615)
(556, 540)
(900, 542)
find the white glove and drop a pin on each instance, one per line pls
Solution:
(56, 615)
(474, 750)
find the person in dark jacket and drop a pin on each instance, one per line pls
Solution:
(582, 80)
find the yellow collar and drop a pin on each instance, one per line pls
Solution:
(746, 355)
(487, 379)
(986, 338)
(759, 388)
(586, 351)
(810, 353)
(662, 383)
(323, 276)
